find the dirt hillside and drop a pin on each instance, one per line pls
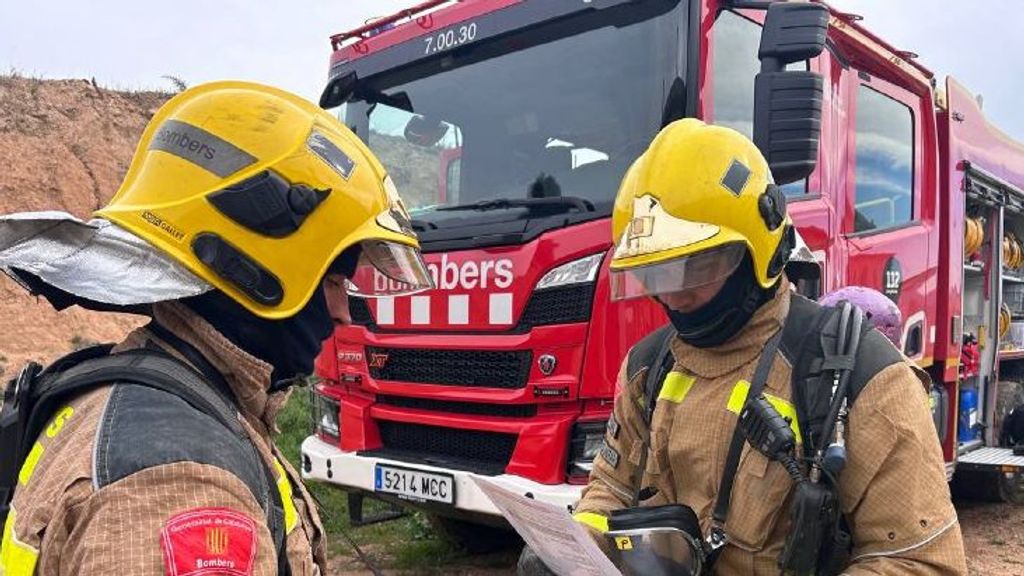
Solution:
(64, 145)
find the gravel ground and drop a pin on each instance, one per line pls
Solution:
(993, 537)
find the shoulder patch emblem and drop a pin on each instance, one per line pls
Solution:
(209, 541)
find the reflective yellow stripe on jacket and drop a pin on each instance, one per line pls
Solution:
(284, 487)
(787, 410)
(16, 558)
(676, 386)
(55, 426)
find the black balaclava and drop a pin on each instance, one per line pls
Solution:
(289, 345)
(725, 314)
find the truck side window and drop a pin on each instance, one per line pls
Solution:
(736, 41)
(885, 159)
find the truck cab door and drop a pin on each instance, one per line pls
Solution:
(888, 214)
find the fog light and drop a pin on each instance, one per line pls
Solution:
(584, 444)
(326, 417)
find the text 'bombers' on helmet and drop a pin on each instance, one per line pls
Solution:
(696, 188)
(256, 191)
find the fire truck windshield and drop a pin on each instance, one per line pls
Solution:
(555, 110)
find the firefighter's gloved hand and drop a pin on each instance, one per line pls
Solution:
(531, 565)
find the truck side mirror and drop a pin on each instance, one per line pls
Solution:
(787, 104)
(339, 89)
(342, 88)
(793, 32)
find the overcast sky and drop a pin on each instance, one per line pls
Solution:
(131, 44)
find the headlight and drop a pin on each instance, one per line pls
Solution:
(326, 417)
(575, 272)
(586, 441)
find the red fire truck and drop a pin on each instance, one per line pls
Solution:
(507, 125)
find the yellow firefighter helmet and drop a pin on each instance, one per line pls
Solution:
(258, 192)
(690, 207)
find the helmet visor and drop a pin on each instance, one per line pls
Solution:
(388, 269)
(677, 275)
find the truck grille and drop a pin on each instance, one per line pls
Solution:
(558, 306)
(503, 410)
(484, 452)
(474, 368)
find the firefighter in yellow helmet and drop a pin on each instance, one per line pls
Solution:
(680, 486)
(245, 218)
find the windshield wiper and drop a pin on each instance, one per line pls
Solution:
(538, 204)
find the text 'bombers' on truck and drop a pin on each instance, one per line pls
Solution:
(507, 126)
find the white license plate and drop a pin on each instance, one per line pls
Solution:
(414, 484)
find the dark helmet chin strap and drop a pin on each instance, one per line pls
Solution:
(725, 314)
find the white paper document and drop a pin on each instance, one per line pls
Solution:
(562, 543)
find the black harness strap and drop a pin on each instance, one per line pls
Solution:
(807, 357)
(660, 365)
(194, 357)
(656, 371)
(141, 367)
(721, 511)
